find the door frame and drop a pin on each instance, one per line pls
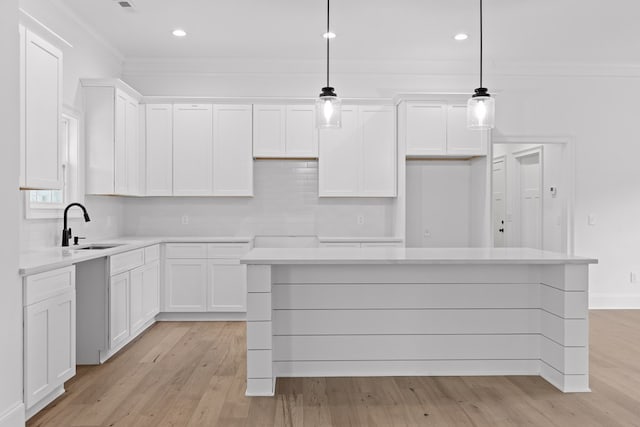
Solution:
(568, 176)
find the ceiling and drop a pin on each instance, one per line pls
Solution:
(583, 31)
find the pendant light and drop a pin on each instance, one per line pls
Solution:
(328, 108)
(481, 107)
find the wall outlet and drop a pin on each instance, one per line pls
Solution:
(592, 219)
(634, 277)
(427, 233)
(360, 219)
(185, 219)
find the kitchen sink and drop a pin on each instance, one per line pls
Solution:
(98, 247)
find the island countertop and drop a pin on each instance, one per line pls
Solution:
(289, 256)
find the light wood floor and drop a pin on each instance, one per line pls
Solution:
(193, 374)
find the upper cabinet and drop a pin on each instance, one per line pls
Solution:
(359, 159)
(114, 163)
(41, 109)
(438, 129)
(232, 161)
(159, 149)
(284, 131)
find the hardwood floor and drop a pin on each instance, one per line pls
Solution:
(193, 374)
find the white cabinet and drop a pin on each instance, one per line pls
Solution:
(439, 129)
(359, 160)
(49, 335)
(159, 149)
(185, 285)
(205, 277)
(40, 114)
(232, 161)
(284, 131)
(112, 138)
(119, 309)
(144, 295)
(192, 150)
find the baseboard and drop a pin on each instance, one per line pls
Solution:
(601, 301)
(201, 317)
(14, 416)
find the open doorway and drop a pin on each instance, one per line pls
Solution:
(532, 193)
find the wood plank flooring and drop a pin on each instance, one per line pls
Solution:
(193, 374)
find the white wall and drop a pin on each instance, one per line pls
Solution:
(11, 409)
(596, 106)
(286, 203)
(88, 58)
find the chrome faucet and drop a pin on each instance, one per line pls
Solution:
(66, 232)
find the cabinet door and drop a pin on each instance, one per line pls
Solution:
(269, 131)
(49, 345)
(302, 135)
(118, 309)
(132, 134)
(426, 128)
(227, 287)
(151, 290)
(159, 149)
(185, 285)
(120, 147)
(192, 150)
(136, 299)
(379, 148)
(340, 157)
(232, 159)
(460, 139)
(42, 111)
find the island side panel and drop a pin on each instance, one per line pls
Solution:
(380, 320)
(260, 379)
(564, 340)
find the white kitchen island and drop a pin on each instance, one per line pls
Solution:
(416, 312)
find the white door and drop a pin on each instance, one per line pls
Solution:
(269, 130)
(185, 285)
(151, 290)
(302, 134)
(159, 149)
(530, 206)
(132, 134)
(232, 158)
(42, 111)
(120, 148)
(136, 299)
(118, 309)
(426, 129)
(192, 150)
(499, 203)
(378, 152)
(227, 286)
(460, 139)
(340, 157)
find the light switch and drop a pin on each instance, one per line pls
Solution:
(591, 219)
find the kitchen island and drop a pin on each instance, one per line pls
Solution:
(416, 312)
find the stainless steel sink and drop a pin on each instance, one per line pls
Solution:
(98, 247)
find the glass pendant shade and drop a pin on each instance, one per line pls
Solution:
(481, 111)
(328, 109)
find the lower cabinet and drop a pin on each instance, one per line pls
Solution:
(119, 309)
(205, 278)
(144, 295)
(49, 336)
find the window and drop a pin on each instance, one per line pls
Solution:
(50, 203)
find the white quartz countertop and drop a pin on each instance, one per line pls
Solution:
(325, 239)
(289, 256)
(37, 261)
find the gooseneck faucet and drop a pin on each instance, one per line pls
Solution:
(66, 232)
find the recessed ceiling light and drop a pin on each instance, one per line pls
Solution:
(461, 36)
(179, 33)
(329, 35)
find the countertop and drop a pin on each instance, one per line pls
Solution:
(288, 256)
(37, 261)
(325, 239)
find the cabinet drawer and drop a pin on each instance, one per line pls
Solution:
(45, 285)
(151, 253)
(126, 261)
(227, 250)
(186, 251)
